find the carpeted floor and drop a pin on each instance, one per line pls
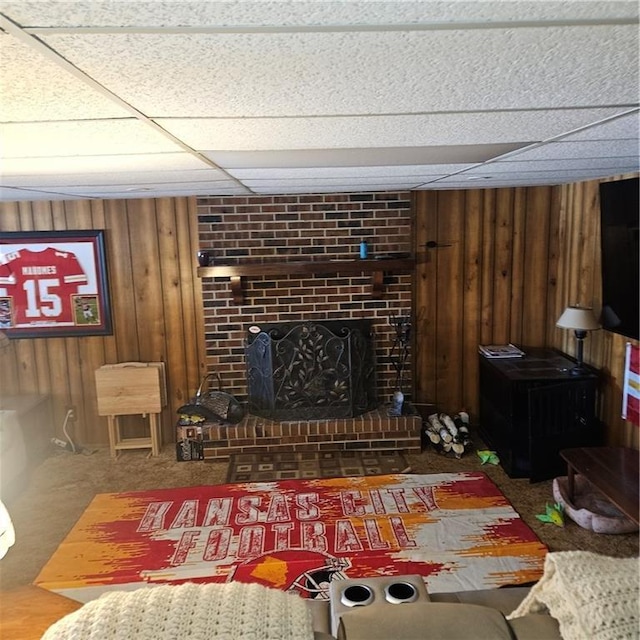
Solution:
(60, 489)
(262, 467)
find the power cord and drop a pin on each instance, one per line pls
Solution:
(69, 444)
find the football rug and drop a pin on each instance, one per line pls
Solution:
(457, 530)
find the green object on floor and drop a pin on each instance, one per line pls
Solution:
(487, 456)
(554, 514)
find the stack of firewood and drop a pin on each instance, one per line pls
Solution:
(449, 435)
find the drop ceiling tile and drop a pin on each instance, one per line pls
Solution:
(391, 171)
(8, 194)
(89, 165)
(571, 164)
(447, 106)
(583, 149)
(169, 193)
(156, 190)
(123, 179)
(279, 74)
(359, 157)
(525, 177)
(347, 188)
(313, 183)
(92, 137)
(624, 128)
(247, 134)
(310, 13)
(33, 87)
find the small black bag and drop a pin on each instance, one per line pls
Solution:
(213, 405)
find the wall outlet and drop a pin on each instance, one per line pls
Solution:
(71, 413)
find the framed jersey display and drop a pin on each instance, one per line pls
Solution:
(53, 284)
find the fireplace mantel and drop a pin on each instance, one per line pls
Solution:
(236, 272)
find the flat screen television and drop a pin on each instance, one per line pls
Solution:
(619, 213)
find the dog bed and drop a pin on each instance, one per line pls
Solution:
(590, 509)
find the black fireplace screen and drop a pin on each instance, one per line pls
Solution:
(311, 370)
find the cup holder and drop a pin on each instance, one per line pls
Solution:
(399, 592)
(357, 595)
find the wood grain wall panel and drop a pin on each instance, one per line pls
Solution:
(191, 303)
(492, 284)
(121, 279)
(533, 282)
(472, 294)
(518, 264)
(486, 258)
(147, 287)
(450, 296)
(169, 291)
(425, 293)
(580, 283)
(538, 251)
(156, 298)
(503, 264)
(553, 260)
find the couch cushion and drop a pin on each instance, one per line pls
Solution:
(535, 626)
(424, 620)
(504, 600)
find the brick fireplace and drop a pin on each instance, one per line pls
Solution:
(311, 370)
(243, 230)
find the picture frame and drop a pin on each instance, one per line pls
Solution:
(54, 284)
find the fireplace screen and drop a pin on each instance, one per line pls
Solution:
(311, 370)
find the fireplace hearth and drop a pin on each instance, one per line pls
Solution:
(310, 370)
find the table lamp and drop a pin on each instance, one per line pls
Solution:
(581, 320)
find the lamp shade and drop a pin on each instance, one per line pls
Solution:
(579, 318)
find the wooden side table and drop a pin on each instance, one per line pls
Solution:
(612, 470)
(132, 388)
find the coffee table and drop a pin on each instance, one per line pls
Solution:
(612, 470)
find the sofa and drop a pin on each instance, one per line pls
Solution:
(461, 615)
(580, 595)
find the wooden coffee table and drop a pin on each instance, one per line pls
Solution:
(612, 470)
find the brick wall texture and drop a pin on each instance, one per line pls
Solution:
(242, 229)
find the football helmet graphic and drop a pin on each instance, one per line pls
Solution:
(308, 573)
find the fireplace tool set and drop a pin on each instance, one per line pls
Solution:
(398, 357)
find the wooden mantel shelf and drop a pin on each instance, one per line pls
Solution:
(236, 272)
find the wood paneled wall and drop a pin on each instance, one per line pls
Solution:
(489, 279)
(506, 264)
(156, 302)
(580, 283)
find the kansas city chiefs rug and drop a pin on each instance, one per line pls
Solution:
(457, 530)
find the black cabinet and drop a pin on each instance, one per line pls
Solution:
(532, 407)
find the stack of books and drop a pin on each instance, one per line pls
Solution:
(500, 351)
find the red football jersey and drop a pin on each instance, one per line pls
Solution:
(41, 284)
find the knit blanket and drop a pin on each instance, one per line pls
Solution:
(194, 611)
(591, 596)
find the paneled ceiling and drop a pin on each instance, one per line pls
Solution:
(146, 99)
